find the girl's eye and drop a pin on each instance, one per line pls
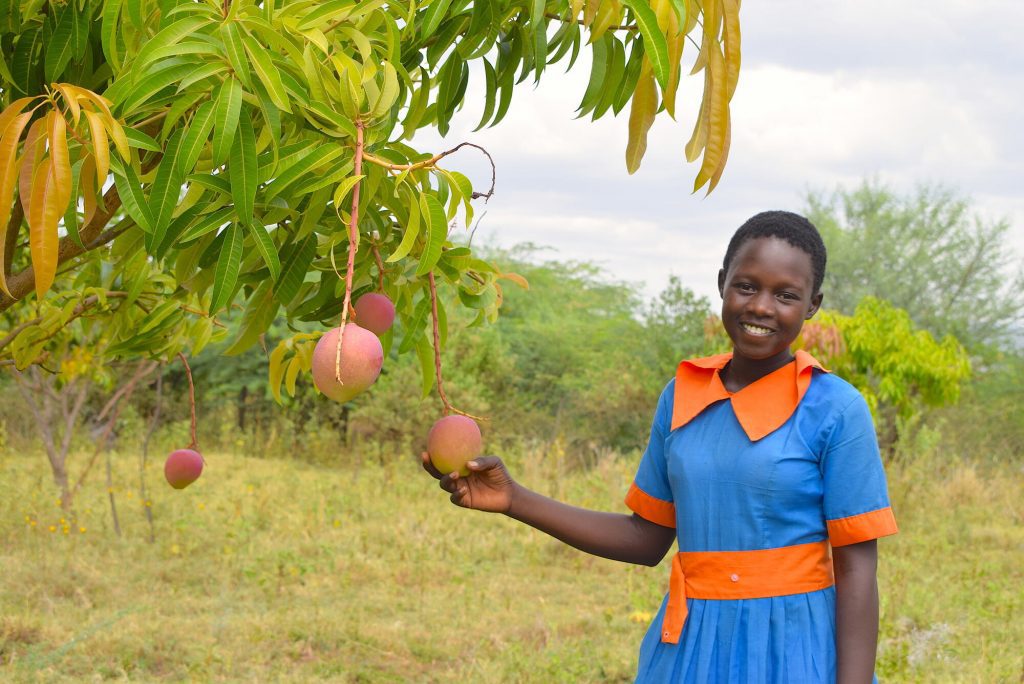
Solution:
(788, 297)
(745, 287)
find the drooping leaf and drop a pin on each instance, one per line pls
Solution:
(228, 263)
(641, 116)
(655, 44)
(227, 109)
(267, 249)
(259, 313)
(437, 232)
(195, 138)
(243, 170)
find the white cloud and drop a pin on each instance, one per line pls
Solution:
(829, 93)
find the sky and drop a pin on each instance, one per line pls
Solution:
(830, 93)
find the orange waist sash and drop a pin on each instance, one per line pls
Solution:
(741, 575)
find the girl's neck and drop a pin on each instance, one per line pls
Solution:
(742, 371)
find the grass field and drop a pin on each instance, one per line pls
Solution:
(270, 570)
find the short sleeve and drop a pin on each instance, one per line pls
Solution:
(856, 499)
(650, 495)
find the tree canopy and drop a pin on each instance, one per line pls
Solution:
(162, 161)
(925, 252)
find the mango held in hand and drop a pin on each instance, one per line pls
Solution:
(452, 442)
(375, 312)
(361, 359)
(183, 467)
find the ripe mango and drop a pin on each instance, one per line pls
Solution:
(183, 467)
(361, 360)
(454, 440)
(375, 312)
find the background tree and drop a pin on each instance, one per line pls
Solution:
(244, 149)
(926, 252)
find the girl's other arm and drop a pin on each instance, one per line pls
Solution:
(856, 611)
(489, 487)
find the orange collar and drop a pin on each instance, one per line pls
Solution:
(761, 407)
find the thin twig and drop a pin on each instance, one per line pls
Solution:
(429, 163)
(191, 401)
(448, 408)
(380, 267)
(353, 233)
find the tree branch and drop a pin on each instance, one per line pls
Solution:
(93, 236)
(428, 163)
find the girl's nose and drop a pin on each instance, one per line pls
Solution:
(760, 304)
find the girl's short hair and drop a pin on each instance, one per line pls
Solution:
(785, 225)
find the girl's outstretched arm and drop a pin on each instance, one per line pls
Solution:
(489, 487)
(856, 611)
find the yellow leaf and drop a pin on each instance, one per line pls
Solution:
(89, 192)
(294, 366)
(119, 138)
(700, 128)
(277, 369)
(730, 10)
(675, 56)
(30, 156)
(8, 177)
(42, 225)
(12, 112)
(589, 12)
(100, 146)
(609, 14)
(60, 162)
(641, 116)
(692, 8)
(577, 7)
(71, 100)
(718, 119)
(725, 155)
(517, 279)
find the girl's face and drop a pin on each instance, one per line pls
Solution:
(767, 294)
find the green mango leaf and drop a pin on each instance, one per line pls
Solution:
(268, 73)
(428, 372)
(166, 190)
(129, 189)
(195, 138)
(655, 44)
(235, 51)
(242, 170)
(267, 249)
(227, 109)
(228, 263)
(296, 264)
(437, 232)
(168, 37)
(259, 313)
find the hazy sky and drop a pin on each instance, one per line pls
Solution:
(829, 93)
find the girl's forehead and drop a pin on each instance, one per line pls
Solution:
(773, 255)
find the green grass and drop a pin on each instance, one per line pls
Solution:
(271, 570)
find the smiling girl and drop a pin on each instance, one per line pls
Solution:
(765, 469)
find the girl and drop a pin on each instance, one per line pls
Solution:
(765, 469)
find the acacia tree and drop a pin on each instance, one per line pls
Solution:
(256, 153)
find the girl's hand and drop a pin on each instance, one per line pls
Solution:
(488, 487)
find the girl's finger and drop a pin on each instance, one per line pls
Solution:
(429, 466)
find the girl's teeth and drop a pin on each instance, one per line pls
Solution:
(756, 330)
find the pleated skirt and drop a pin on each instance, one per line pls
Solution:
(782, 639)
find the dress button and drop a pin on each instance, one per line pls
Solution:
(734, 577)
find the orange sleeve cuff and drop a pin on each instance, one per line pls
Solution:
(646, 506)
(859, 528)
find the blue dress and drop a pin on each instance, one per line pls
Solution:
(817, 476)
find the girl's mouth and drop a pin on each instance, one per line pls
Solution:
(756, 330)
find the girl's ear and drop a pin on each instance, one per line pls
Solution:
(721, 283)
(815, 305)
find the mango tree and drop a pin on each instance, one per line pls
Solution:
(168, 160)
